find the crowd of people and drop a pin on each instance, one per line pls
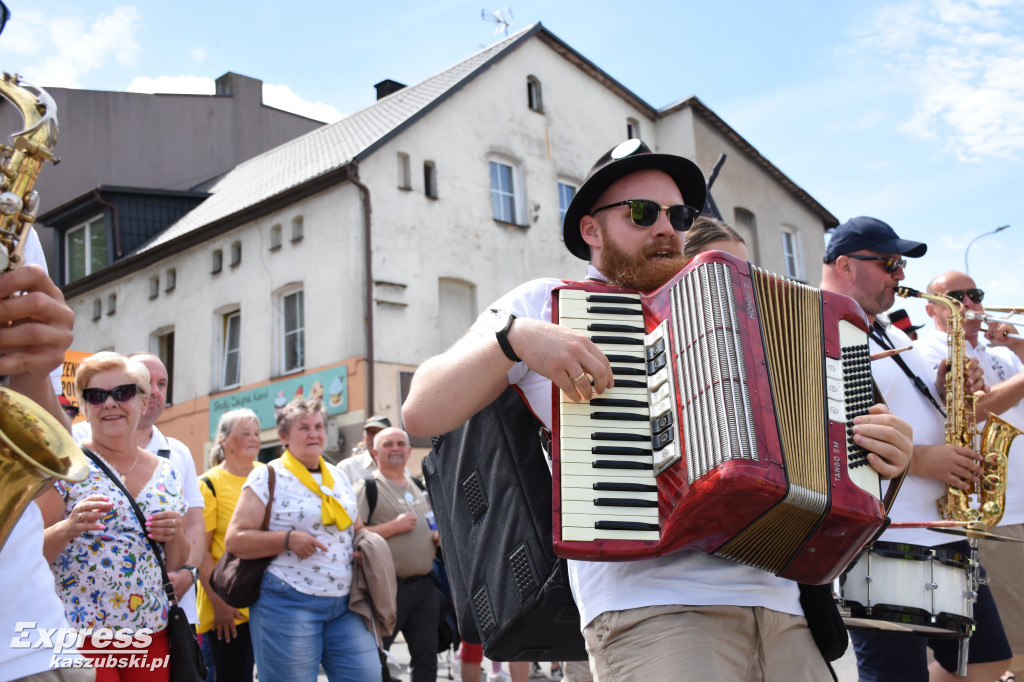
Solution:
(352, 547)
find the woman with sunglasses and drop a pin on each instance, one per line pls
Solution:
(105, 569)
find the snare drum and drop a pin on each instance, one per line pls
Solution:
(908, 588)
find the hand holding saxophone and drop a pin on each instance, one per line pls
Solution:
(954, 465)
(35, 324)
(887, 438)
(974, 377)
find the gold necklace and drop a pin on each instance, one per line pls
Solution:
(125, 475)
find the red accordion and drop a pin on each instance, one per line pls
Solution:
(727, 430)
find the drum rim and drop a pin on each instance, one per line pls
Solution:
(945, 624)
(911, 552)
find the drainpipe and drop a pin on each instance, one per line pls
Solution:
(364, 192)
(116, 223)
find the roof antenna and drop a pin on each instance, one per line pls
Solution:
(502, 17)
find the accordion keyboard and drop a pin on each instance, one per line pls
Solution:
(612, 446)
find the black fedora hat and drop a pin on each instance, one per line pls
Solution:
(629, 157)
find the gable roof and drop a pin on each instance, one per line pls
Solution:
(334, 146)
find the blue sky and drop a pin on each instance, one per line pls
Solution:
(908, 110)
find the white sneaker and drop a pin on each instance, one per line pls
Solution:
(537, 672)
(500, 676)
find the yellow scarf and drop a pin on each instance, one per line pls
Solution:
(331, 510)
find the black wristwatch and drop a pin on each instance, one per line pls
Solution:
(193, 570)
(501, 321)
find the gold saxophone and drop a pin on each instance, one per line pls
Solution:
(989, 494)
(34, 447)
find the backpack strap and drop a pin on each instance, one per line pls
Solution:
(209, 484)
(371, 497)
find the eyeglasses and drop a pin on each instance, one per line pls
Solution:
(976, 295)
(71, 410)
(891, 263)
(121, 394)
(644, 213)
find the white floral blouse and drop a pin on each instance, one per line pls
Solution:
(110, 578)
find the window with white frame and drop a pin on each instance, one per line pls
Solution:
(565, 194)
(217, 262)
(154, 286)
(236, 254)
(297, 228)
(275, 237)
(503, 192)
(791, 253)
(111, 304)
(533, 98)
(231, 349)
(293, 332)
(164, 349)
(632, 129)
(85, 248)
(171, 279)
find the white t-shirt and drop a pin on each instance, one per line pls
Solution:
(28, 597)
(917, 499)
(34, 256)
(296, 507)
(181, 459)
(999, 364)
(688, 577)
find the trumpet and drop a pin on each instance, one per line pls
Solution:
(990, 319)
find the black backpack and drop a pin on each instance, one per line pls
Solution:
(490, 489)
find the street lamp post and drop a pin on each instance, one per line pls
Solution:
(967, 268)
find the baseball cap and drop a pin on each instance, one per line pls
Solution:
(629, 157)
(377, 421)
(862, 232)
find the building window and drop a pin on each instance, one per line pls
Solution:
(632, 129)
(111, 304)
(171, 279)
(297, 228)
(275, 237)
(533, 99)
(503, 192)
(236, 254)
(404, 171)
(429, 179)
(218, 261)
(791, 253)
(165, 351)
(86, 248)
(231, 351)
(293, 328)
(565, 195)
(154, 286)
(97, 309)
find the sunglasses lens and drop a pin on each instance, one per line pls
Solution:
(643, 212)
(94, 396)
(124, 392)
(681, 217)
(977, 295)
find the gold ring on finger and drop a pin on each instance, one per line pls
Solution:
(576, 379)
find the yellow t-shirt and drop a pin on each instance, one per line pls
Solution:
(217, 513)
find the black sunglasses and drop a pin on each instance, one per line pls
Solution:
(644, 213)
(121, 394)
(891, 263)
(976, 295)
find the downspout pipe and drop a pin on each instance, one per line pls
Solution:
(364, 193)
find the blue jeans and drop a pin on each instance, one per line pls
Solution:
(294, 633)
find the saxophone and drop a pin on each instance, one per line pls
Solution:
(989, 494)
(35, 448)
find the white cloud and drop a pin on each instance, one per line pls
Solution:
(181, 85)
(282, 97)
(197, 54)
(963, 61)
(71, 45)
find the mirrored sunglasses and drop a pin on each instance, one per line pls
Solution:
(890, 263)
(644, 213)
(121, 394)
(976, 295)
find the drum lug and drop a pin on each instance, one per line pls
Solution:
(931, 586)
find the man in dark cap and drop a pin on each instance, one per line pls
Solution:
(687, 615)
(864, 260)
(361, 463)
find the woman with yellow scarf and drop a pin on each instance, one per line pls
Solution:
(301, 619)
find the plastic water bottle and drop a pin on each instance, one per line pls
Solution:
(431, 520)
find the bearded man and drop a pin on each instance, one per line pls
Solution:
(688, 615)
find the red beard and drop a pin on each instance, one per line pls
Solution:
(638, 271)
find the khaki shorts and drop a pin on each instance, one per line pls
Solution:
(704, 644)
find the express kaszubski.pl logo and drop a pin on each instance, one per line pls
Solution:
(107, 648)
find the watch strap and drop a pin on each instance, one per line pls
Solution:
(502, 336)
